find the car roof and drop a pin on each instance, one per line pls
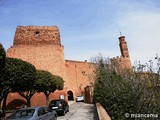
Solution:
(35, 107)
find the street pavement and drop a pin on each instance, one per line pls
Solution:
(80, 111)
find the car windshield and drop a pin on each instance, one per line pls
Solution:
(55, 103)
(80, 96)
(24, 114)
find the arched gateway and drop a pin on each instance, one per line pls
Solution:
(70, 95)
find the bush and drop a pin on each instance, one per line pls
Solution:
(125, 92)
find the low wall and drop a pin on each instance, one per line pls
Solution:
(102, 114)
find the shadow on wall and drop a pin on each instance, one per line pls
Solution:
(15, 104)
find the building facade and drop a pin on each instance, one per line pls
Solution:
(41, 46)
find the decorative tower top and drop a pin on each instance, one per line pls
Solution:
(123, 47)
(37, 35)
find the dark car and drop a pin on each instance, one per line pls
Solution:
(2, 115)
(60, 106)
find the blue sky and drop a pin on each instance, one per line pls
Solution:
(89, 27)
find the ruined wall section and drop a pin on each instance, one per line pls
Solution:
(35, 35)
(78, 75)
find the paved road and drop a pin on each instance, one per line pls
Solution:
(80, 111)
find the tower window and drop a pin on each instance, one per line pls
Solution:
(37, 33)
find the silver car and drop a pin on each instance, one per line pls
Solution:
(33, 113)
(80, 98)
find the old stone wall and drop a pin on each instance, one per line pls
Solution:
(78, 76)
(43, 57)
(35, 35)
(122, 63)
(41, 46)
(15, 101)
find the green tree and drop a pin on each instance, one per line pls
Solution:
(3, 89)
(2, 58)
(124, 92)
(59, 82)
(48, 83)
(21, 77)
(2, 66)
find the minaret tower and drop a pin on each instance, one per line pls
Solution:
(123, 47)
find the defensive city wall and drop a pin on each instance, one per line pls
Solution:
(41, 46)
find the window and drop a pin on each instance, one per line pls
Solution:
(41, 111)
(37, 33)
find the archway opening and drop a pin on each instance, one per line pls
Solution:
(70, 95)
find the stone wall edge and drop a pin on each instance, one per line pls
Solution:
(102, 114)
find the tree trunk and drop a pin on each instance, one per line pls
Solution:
(27, 96)
(28, 102)
(47, 98)
(0, 103)
(4, 104)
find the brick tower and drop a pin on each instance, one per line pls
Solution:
(122, 62)
(41, 46)
(36, 35)
(123, 47)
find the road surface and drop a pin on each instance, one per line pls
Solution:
(80, 111)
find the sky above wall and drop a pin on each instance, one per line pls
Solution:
(89, 27)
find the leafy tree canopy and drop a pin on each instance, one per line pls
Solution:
(59, 82)
(45, 81)
(2, 61)
(20, 74)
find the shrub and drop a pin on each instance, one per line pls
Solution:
(125, 92)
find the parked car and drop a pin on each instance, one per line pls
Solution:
(33, 113)
(2, 114)
(80, 98)
(60, 106)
